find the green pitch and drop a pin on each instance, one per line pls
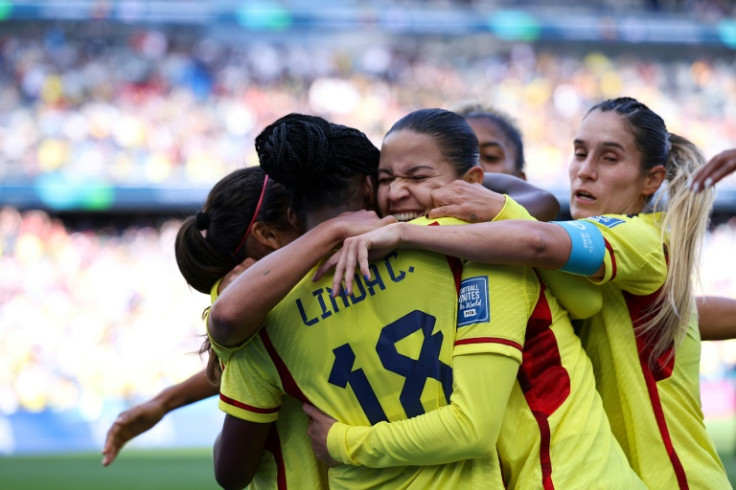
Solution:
(133, 470)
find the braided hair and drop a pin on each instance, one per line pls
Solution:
(321, 164)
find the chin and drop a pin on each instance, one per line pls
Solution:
(577, 213)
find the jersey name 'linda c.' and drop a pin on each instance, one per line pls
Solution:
(383, 275)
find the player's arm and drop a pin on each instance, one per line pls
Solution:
(541, 204)
(576, 247)
(237, 451)
(144, 416)
(716, 317)
(242, 307)
(467, 428)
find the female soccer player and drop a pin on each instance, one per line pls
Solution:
(243, 219)
(499, 139)
(644, 343)
(303, 346)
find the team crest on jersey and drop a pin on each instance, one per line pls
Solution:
(606, 221)
(473, 301)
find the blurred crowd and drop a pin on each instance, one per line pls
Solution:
(146, 107)
(89, 316)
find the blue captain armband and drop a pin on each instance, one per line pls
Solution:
(588, 247)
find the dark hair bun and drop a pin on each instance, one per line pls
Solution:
(295, 150)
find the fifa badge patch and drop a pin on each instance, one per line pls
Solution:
(606, 221)
(473, 303)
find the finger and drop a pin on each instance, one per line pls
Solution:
(309, 410)
(325, 267)
(389, 220)
(338, 275)
(440, 212)
(350, 265)
(109, 456)
(719, 173)
(363, 262)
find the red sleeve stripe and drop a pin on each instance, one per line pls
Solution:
(245, 406)
(613, 259)
(489, 340)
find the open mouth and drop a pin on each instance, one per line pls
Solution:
(584, 196)
(406, 215)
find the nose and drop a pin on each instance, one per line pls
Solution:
(587, 169)
(397, 189)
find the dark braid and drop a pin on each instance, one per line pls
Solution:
(320, 163)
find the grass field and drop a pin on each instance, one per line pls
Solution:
(181, 469)
(133, 470)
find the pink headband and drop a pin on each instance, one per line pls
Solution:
(253, 220)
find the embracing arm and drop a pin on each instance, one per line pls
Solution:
(716, 317)
(242, 307)
(144, 416)
(512, 242)
(237, 451)
(541, 204)
(467, 428)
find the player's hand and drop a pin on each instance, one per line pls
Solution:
(234, 273)
(469, 202)
(358, 222)
(128, 425)
(356, 253)
(319, 426)
(716, 169)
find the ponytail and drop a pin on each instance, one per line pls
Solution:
(683, 226)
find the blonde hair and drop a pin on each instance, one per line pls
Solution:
(683, 226)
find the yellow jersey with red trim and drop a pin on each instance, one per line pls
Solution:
(383, 353)
(287, 460)
(555, 433)
(654, 407)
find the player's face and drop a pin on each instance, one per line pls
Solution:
(497, 154)
(411, 167)
(605, 170)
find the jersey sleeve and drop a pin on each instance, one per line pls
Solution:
(223, 353)
(494, 305)
(513, 210)
(634, 259)
(250, 387)
(467, 428)
(575, 293)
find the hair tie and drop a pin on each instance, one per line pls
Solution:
(202, 220)
(253, 219)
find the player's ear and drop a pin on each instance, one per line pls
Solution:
(267, 235)
(369, 192)
(474, 175)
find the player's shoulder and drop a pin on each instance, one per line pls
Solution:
(627, 224)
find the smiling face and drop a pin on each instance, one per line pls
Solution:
(605, 171)
(411, 166)
(497, 153)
